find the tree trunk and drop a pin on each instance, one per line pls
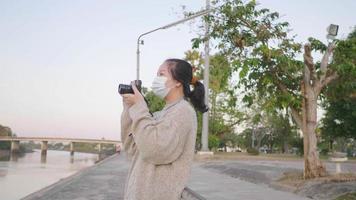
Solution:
(311, 86)
(214, 96)
(313, 167)
(285, 146)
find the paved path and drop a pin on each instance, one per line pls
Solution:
(105, 181)
(266, 172)
(215, 186)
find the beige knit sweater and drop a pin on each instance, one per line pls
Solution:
(160, 148)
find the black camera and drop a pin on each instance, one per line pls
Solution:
(127, 89)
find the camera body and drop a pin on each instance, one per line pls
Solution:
(127, 89)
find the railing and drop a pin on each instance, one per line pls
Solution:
(189, 194)
(7, 138)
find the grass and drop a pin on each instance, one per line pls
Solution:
(349, 196)
(262, 156)
(295, 179)
(246, 156)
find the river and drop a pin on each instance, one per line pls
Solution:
(29, 173)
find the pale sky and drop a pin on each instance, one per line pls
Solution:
(61, 61)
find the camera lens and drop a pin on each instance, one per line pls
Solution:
(125, 89)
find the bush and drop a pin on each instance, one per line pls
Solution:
(349, 152)
(324, 152)
(5, 145)
(253, 151)
(213, 141)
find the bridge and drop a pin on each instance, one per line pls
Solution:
(15, 142)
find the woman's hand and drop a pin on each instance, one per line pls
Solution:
(131, 99)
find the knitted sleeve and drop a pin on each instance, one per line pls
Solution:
(128, 143)
(160, 141)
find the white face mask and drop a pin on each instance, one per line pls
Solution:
(159, 86)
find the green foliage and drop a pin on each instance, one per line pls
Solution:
(344, 62)
(230, 140)
(340, 117)
(257, 44)
(213, 141)
(222, 102)
(84, 147)
(154, 102)
(196, 60)
(298, 143)
(5, 131)
(282, 133)
(317, 45)
(271, 129)
(324, 148)
(245, 138)
(256, 41)
(347, 196)
(220, 73)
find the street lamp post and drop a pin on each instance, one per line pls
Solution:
(332, 30)
(205, 124)
(139, 41)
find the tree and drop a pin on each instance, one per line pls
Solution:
(340, 105)
(224, 115)
(5, 131)
(269, 127)
(154, 102)
(282, 133)
(220, 73)
(339, 121)
(245, 138)
(257, 43)
(340, 118)
(230, 140)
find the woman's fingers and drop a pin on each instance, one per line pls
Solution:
(138, 95)
(134, 87)
(126, 95)
(130, 99)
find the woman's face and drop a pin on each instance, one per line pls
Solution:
(164, 70)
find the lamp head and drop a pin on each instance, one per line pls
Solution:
(332, 31)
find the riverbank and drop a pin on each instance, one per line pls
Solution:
(6, 153)
(104, 180)
(210, 179)
(22, 175)
(81, 183)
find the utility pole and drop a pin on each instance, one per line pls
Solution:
(205, 128)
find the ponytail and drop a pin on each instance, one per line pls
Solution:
(197, 97)
(182, 71)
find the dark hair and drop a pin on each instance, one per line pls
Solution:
(182, 71)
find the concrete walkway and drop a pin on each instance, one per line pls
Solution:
(215, 186)
(105, 181)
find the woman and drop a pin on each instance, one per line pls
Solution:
(161, 147)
